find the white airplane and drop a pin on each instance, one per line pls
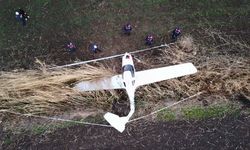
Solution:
(130, 80)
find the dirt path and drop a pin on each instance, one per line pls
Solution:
(226, 133)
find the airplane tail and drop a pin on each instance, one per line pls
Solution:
(119, 122)
(115, 121)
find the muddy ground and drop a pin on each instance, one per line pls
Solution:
(224, 133)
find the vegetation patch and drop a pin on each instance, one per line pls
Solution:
(39, 129)
(166, 115)
(55, 22)
(51, 127)
(42, 92)
(7, 140)
(98, 118)
(200, 113)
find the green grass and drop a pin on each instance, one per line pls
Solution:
(98, 118)
(248, 111)
(7, 140)
(54, 22)
(41, 129)
(200, 113)
(166, 115)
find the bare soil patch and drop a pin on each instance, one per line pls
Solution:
(224, 133)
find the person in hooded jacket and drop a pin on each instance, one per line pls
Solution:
(175, 34)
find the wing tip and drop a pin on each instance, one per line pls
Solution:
(192, 67)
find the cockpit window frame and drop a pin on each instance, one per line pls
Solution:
(129, 68)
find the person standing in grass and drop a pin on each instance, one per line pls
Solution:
(127, 29)
(19, 14)
(94, 47)
(175, 34)
(149, 40)
(71, 47)
(25, 18)
(22, 16)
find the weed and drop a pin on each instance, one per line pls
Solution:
(51, 127)
(7, 140)
(209, 112)
(63, 125)
(39, 129)
(166, 115)
(94, 119)
(120, 4)
(36, 91)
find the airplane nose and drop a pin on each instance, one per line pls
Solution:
(127, 54)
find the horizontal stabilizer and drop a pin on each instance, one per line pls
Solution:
(164, 73)
(105, 83)
(115, 121)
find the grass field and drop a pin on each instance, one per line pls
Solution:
(219, 28)
(216, 38)
(53, 23)
(200, 113)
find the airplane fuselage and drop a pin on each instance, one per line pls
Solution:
(130, 80)
(128, 75)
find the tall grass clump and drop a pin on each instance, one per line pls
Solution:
(47, 91)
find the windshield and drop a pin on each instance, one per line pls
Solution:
(129, 68)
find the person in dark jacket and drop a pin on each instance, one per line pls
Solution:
(175, 34)
(94, 47)
(127, 29)
(149, 40)
(19, 14)
(71, 47)
(22, 16)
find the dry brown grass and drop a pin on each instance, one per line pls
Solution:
(186, 43)
(42, 91)
(219, 77)
(221, 74)
(50, 92)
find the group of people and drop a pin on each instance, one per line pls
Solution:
(149, 40)
(127, 29)
(23, 17)
(71, 47)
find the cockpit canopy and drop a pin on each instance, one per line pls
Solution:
(129, 68)
(128, 75)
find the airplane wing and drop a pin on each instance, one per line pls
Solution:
(164, 73)
(106, 83)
